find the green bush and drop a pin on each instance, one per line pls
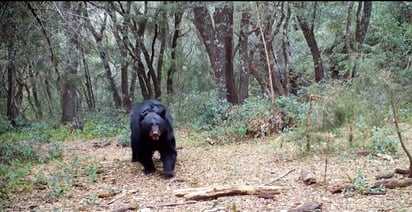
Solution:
(217, 118)
(293, 109)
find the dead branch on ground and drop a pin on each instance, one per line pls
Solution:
(391, 183)
(172, 204)
(280, 177)
(213, 192)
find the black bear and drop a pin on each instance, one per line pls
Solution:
(152, 130)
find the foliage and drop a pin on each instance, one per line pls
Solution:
(218, 119)
(361, 104)
(17, 156)
(293, 109)
(384, 141)
(124, 137)
(361, 185)
(39, 142)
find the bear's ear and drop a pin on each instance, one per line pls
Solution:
(159, 109)
(143, 114)
(162, 112)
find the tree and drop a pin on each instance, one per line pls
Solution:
(177, 14)
(244, 55)
(217, 36)
(71, 18)
(353, 46)
(268, 27)
(306, 17)
(104, 56)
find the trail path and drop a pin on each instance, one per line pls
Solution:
(104, 179)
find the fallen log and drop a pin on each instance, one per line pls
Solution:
(213, 192)
(391, 183)
(384, 176)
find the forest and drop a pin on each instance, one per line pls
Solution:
(288, 83)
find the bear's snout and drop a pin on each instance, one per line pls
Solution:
(155, 133)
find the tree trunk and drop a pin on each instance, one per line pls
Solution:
(223, 18)
(218, 40)
(286, 51)
(244, 55)
(178, 14)
(348, 46)
(163, 31)
(37, 104)
(362, 22)
(71, 15)
(49, 98)
(121, 31)
(307, 25)
(12, 111)
(203, 22)
(98, 36)
(91, 102)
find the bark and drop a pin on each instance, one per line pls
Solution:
(163, 31)
(362, 22)
(37, 103)
(71, 15)
(224, 25)
(218, 40)
(245, 61)
(151, 73)
(91, 102)
(49, 97)
(306, 24)
(203, 22)
(262, 82)
(286, 51)
(12, 111)
(178, 14)
(120, 32)
(276, 81)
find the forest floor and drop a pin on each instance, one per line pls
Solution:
(97, 175)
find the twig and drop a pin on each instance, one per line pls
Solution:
(124, 208)
(121, 196)
(172, 204)
(282, 176)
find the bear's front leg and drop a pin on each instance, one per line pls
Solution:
(169, 160)
(147, 161)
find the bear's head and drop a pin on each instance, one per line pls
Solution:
(153, 123)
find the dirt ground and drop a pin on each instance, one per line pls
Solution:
(102, 178)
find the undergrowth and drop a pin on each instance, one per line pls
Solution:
(28, 143)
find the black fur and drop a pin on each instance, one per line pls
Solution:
(147, 117)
